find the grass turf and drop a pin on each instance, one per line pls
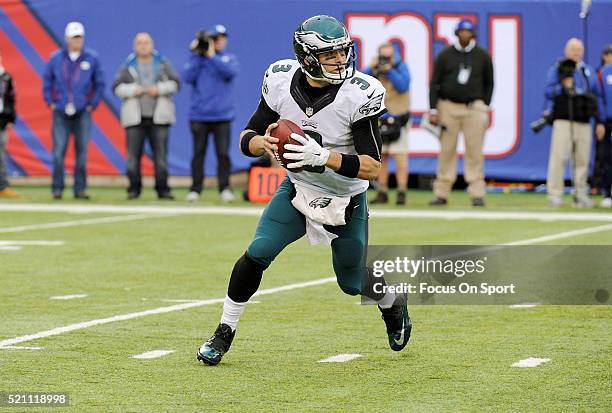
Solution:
(458, 360)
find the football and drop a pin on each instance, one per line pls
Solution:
(283, 133)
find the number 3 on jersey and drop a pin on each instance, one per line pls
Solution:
(363, 84)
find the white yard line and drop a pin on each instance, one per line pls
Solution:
(340, 358)
(42, 243)
(67, 297)
(10, 248)
(91, 221)
(159, 310)
(530, 241)
(526, 305)
(153, 354)
(168, 300)
(561, 235)
(530, 362)
(493, 215)
(20, 348)
(133, 209)
(256, 211)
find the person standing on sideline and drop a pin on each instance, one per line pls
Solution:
(7, 119)
(389, 68)
(146, 83)
(603, 131)
(571, 95)
(211, 71)
(73, 85)
(459, 96)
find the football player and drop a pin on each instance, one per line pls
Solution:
(337, 107)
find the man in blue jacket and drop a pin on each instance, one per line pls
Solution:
(73, 85)
(210, 71)
(604, 127)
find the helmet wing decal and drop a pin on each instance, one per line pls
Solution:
(314, 41)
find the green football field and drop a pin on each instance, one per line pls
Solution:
(149, 275)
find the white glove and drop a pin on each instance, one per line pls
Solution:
(309, 153)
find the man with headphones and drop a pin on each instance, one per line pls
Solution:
(459, 96)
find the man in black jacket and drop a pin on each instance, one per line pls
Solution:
(459, 96)
(7, 118)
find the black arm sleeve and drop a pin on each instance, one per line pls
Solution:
(488, 79)
(434, 84)
(10, 101)
(262, 118)
(366, 137)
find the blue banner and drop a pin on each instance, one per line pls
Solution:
(524, 38)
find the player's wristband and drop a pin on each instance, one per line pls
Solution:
(349, 166)
(244, 144)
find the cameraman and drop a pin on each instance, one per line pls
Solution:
(210, 71)
(571, 88)
(393, 73)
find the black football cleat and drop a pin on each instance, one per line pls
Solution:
(213, 350)
(398, 322)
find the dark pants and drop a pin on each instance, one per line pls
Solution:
(80, 126)
(606, 161)
(281, 224)
(158, 139)
(200, 132)
(4, 183)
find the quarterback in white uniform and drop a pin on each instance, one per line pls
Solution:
(357, 98)
(338, 108)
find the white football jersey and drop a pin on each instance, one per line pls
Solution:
(328, 119)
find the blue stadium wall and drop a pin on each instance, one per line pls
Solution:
(524, 37)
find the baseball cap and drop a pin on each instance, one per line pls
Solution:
(218, 30)
(607, 49)
(74, 29)
(465, 24)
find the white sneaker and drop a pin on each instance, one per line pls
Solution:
(192, 196)
(606, 203)
(555, 201)
(227, 195)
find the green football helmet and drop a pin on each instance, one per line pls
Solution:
(322, 34)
